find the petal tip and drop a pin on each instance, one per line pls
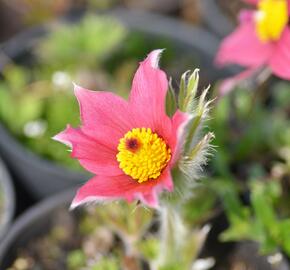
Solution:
(154, 57)
(73, 206)
(61, 136)
(78, 202)
(55, 137)
(77, 88)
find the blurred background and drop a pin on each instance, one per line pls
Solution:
(244, 194)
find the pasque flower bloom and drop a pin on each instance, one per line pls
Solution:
(261, 40)
(131, 146)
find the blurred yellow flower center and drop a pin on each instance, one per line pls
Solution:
(143, 154)
(271, 19)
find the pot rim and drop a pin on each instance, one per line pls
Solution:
(9, 198)
(33, 215)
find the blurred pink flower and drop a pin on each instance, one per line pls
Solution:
(130, 146)
(261, 40)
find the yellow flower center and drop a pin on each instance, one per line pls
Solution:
(271, 19)
(143, 154)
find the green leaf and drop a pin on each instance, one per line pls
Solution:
(16, 77)
(149, 248)
(76, 260)
(182, 91)
(171, 105)
(106, 264)
(262, 204)
(191, 90)
(284, 227)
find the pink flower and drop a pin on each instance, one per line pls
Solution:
(261, 40)
(130, 146)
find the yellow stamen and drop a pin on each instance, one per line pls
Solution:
(143, 154)
(271, 19)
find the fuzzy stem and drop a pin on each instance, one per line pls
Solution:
(173, 236)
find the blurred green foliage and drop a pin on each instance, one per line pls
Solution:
(200, 208)
(86, 43)
(250, 171)
(106, 264)
(76, 259)
(260, 220)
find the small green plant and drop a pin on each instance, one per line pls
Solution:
(260, 221)
(86, 43)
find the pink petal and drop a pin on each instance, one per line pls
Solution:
(150, 199)
(244, 48)
(104, 188)
(229, 84)
(104, 116)
(179, 122)
(280, 60)
(148, 95)
(149, 191)
(165, 181)
(91, 154)
(246, 15)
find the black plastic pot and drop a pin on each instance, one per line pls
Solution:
(43, 178)
(39, 176)
(36, 221)
(215, 19)
(9, 200)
